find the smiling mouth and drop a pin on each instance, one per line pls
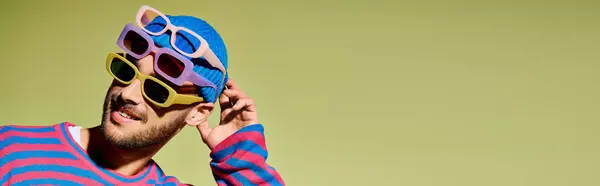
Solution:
(126, 115)
(123, 114)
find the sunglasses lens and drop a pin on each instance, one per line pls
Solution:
(122, 70)
(156, 91)
(170, 65)
(135, 43)
(186, 42)
(153, 22)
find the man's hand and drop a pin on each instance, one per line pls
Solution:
(237, 111)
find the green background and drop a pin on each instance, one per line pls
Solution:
(372, 92)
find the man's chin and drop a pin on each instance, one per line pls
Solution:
(115, 135)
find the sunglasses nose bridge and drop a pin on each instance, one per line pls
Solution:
(133, 92)
(152, 52)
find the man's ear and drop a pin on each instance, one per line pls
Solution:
(199, 114)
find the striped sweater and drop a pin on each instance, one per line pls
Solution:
(48, 155)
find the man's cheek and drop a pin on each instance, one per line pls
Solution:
(116, 85)
(114, 90)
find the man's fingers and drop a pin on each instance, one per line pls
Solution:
(231, 84)
(244, 103)
(234, 94)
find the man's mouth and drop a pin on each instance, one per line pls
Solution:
(128, 114)
(123, 114)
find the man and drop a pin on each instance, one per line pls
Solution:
(169, 76)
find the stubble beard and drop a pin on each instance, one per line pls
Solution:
(158, 133)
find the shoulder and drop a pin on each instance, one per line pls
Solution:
(21, 130)
(13, 128)
(19, 142)
(28, 135)
(161, 178)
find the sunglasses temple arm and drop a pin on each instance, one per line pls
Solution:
(200, 81)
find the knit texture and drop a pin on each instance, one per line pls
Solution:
(188, 43)
(49, 155)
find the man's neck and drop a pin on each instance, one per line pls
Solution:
(124, 161)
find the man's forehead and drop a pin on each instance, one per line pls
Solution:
(145, 65)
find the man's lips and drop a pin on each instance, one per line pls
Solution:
(119, 118)
(124, 113)
(129, 113)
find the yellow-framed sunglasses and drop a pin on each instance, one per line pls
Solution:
(154, 90)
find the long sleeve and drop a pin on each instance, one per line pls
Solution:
(241, 159)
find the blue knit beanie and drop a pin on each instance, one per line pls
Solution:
(188, 43)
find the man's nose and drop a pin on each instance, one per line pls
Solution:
(132, 93)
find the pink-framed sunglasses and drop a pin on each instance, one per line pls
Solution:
(169, 64)
(147, 14)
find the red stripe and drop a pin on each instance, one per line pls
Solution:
(254, 136)
(25, 147)
(249, 156)
(276, 175)
(27, 126)
(31, 161)
(54, 175)
(247, 173)
(258, 161)
(228, 178)
(137, 175)
(173, 180)
(27, 134)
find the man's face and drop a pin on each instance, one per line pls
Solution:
(130, 121)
